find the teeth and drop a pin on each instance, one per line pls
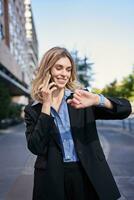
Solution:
(61, 79)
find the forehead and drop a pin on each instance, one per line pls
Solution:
(64, 61)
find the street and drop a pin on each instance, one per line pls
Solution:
(119, 153)
(16, 174)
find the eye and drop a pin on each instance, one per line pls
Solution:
(58, 68)
(69, 69)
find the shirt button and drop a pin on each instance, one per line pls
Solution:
(80, 152)
(68, 157)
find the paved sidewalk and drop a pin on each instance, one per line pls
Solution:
(23, 185)
(16, 166)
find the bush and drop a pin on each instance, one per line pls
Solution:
(15, 110)
(10, 113)
(5, 100)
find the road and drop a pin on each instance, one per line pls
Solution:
(118, 146)
(16, 174)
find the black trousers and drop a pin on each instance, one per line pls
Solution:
(77, 185)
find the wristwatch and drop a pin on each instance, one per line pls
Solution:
(101, 100)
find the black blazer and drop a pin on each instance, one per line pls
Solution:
(43, 140)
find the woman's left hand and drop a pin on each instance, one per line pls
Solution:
(83, 99)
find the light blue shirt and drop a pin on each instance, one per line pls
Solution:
(62, 121)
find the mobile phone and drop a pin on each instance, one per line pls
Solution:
(51, 79)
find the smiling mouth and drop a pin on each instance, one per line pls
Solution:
(61, 80)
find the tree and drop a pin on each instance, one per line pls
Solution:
(85, 74)
(127, 86)
(123, 89)
(111, 89)
(5, 100)
(84, 69)
(96, 90)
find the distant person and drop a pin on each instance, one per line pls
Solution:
(61, 131)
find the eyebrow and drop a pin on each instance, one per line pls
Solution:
(62, 66)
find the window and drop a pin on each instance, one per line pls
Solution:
(1, 7)
(1, 32)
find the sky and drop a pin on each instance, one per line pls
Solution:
(100, 29)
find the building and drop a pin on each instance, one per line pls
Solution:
(18, 47)
(31, 38)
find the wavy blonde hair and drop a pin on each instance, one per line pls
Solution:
(48, 61)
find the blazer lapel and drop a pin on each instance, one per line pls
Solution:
(76, 121)
(55, 133)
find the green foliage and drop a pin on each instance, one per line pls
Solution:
(124, 89)
(96, 90)
(7, 108)
(84, 82)
(111, 89)
(127, 86)
(15, 110)
(5, 100)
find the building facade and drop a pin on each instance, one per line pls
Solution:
(18, 46)
(32, 43)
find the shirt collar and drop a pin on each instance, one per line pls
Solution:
(35, 103)
(67, 93)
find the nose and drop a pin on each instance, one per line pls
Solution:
(64, 72)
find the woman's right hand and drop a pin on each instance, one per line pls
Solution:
(46, 89)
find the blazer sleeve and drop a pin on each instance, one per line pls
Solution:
(37, 131)
(121, 109)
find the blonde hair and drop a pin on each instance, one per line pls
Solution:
(48, 61)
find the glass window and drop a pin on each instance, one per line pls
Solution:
(1, 32)
(1, 7)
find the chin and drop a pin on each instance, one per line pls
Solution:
(61, 86)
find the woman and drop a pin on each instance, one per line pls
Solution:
(61, 131)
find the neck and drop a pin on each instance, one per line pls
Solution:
(59, 93)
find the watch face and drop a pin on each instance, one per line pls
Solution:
(102, 100)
